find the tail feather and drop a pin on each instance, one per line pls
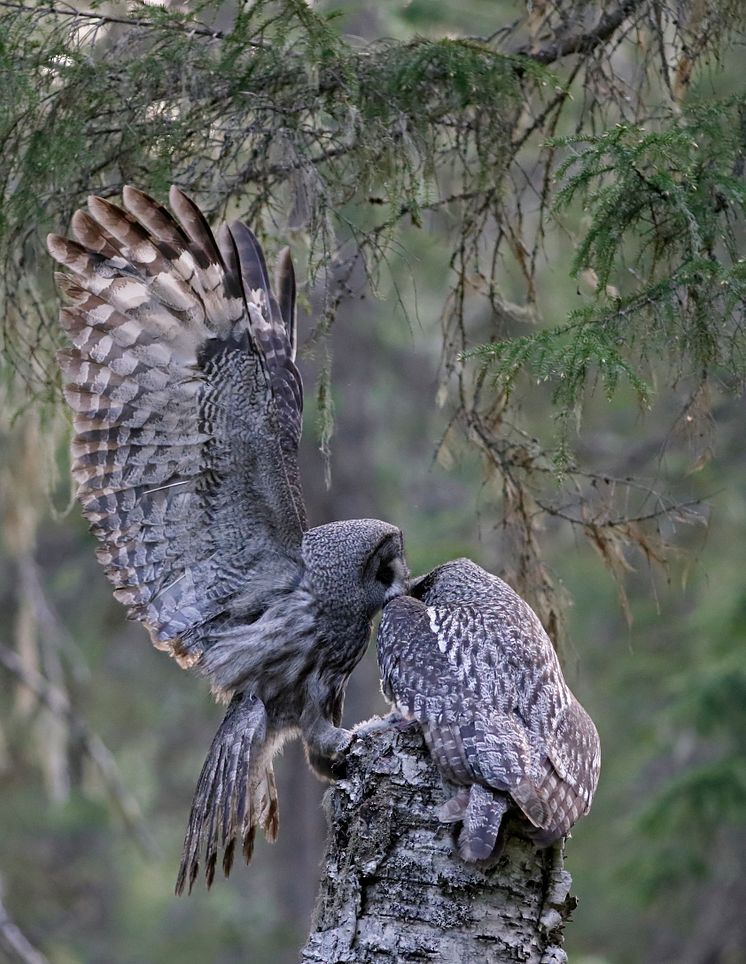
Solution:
(235, 793)
(531, 803)
(482, 820)
(270, 813)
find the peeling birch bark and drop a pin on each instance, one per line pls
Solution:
(393, 888)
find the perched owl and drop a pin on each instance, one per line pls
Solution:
(187, 414)
(469, 660)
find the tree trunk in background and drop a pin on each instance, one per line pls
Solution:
(393, 889)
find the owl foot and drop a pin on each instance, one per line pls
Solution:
(326, 749)
(377, 724)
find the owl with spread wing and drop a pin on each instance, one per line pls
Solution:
(187, 415)
(467, 659)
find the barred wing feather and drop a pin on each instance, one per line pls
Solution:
(484, 682)
(187, 413)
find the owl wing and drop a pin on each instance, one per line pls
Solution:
(570, 770)
(493, 705)
(187, 414)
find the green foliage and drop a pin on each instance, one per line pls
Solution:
(567, 357)
(337, 144)
(281, 116)
(658, 862)
(662, 217)
(706, 798)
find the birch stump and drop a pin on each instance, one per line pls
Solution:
(394, 890)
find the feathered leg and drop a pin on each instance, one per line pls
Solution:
(235, 793)
(326, 746)
(325, 740)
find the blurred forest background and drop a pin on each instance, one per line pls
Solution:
(561, 182)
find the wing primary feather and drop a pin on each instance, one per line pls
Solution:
(196, 227)
(251, 258)
(93, 235)
(154, 217)
(267, 325)
(229, 254)
(285, 287)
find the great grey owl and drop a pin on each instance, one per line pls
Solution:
(468, 659)
(187, 416)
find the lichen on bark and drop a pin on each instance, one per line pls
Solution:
(393, 888)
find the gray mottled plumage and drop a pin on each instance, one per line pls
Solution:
(469, 660)
(187, 415)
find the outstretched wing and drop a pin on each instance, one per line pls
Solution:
(489, 694)
(188, 412)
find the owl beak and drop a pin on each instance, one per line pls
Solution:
(401, 580)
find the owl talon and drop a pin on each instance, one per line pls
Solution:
(339, 768)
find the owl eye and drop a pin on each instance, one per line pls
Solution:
(385, 574)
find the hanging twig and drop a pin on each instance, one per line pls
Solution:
(50, 9)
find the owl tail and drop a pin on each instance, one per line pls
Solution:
(482, 818)
(235, 794)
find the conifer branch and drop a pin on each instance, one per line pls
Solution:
(585, 42)
(103, 19)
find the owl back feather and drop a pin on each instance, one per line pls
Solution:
(469, 660)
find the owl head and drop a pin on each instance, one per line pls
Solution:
(355, 567)
(459, 580)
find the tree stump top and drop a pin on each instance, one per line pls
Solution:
(394, 889)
